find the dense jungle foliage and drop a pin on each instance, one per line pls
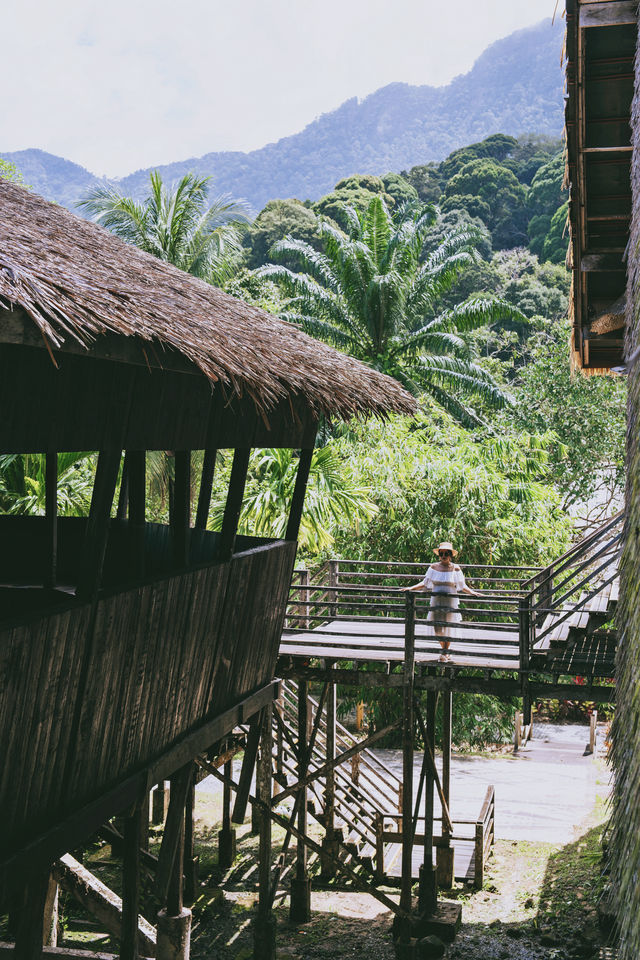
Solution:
(448, 276)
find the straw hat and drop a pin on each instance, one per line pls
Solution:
(446, 546)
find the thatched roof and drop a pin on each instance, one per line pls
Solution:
(77, 281)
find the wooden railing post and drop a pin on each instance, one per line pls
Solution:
(478, 873)
(407, 754)
(524, 639)
(305, 596)
(379, 862)
(359, 715)
(334, 576)
(329, 845)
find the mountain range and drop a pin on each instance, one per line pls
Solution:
(515, 87)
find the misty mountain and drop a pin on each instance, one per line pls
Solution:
(515, 87)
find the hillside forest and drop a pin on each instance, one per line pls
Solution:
(449, 276)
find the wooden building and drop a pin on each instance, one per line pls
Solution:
(603, 140)
(128, 647)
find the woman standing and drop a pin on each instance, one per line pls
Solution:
(445, 580)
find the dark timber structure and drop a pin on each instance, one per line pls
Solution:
(128, 649)
(603, 140)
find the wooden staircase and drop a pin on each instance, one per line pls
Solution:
(577, 597)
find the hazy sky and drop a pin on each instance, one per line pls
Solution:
(121, 84)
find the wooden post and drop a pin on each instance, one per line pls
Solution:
(51, 518)
(525, 650)
(478, 875)
(265, 926)
(355, 769)
(593, 721)
(428, 887)
(359, 715)
(379, 863)
(97, 531)
(334, 576)
(445, 853)
(190, 859)
(305, 595)
(160, 802)
(280, 777)
(407, 758)
(246, 773)
(233, 505)
(206, 485)
(180, 508)
(227, 835)
(517, 736)
(329, 843)
(130, 885)
(166, 887)
(300, 907)
(297, 501)
(144, 822)
(123, 496)
(50, 925)
(137, 489)
(30, 932)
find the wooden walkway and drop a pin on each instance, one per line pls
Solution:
(383, 640)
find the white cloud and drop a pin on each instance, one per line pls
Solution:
(130, 83)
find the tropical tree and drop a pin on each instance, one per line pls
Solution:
(370, 294)
(180, 224)
(22, 483)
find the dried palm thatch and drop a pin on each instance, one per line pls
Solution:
(77, 281)
(625, 841)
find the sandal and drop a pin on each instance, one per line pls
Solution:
(445, 658)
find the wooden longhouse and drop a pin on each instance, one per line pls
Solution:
(603, 145)
(128, 648)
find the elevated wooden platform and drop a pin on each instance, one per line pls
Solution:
(383, 640)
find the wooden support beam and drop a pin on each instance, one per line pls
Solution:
(30, 932)
(330, 783)
(265, 926)
(97, 530)
(300, 907)
(407, 756)
(246, 773)
(132, 837)
(233, 505)
(123, 495)
(170, 858)
(613, 13)
(102, 902)
(63, 953)
(341, 758)
(137, 491)
(180, 509)
(190, 858)
(428, 888)
(297, 501)
(206, 486)
(445, 854)
(315, 847)
(51, 518)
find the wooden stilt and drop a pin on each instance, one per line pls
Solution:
(233, 505)
(297, 501)
(428, 891)
(265, 928)
(144, 822)
(160, 802)
(445, 853)
(300, 907)
(407, 761)
(131, 885)
(173, 840)
(30, 930)
(51, 518)
(190, 859)
(50, 924)
(227, 835)
(329, 843)
(246, 773)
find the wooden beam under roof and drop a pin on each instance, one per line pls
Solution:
(608, 13)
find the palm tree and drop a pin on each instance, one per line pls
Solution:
(370, 294)
(179, 224)
(332, 498)
(22, 483)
